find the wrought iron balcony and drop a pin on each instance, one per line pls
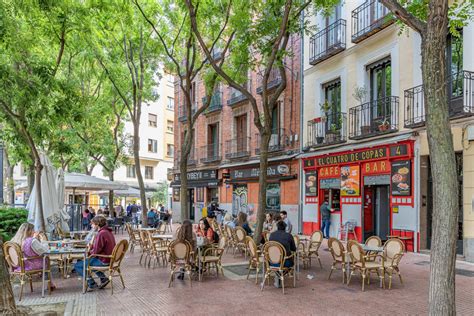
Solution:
(278, 141)
(235, 96)
(368, 19)
(237, 148)
(460, 91)
(211, 153)
(374, 118)
(216, 102)
(183, 116)
(327, 42)
(274, 79)
(327, 130)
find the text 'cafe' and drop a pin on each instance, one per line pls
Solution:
(370, 187)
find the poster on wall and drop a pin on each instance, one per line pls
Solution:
(175, 194)
(350, 183)
(311, 186)
(401, 178)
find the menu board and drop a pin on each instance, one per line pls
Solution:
(350, 183)
(311, 183)
(401, 178)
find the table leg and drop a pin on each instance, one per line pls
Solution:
(199, 264)
(84, 273)
(44, 267)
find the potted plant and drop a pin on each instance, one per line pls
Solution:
(325, 107)
(333, 133)
(384, 125)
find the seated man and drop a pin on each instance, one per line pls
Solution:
(287, 241)
(152, 218)
(104, 244)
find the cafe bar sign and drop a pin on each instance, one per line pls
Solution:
(198, 175)
(272, 171)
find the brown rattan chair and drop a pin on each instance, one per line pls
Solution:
(393, 253)
(254, 257)
(336, 248)
(274, 260)
(113, 268)
(145, 245)
(373, 241)
(315, 243)
(158, 250)
(359, 263)
(180, 258)
(212, 257)
(240, 235)
(133, 237)
(15, 259)
(230, 238)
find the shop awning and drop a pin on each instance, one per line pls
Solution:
(198, 184)
(358, 145)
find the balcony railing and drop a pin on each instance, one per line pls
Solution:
(327, 42)
(216, 102)
(374, 118)
(211, 153)
(278, 141)
(327, 130)
(369, 18)
(192, 159)
(235, 96)
(183, 116)
(237, 148)
(274, 79)
(460, 97)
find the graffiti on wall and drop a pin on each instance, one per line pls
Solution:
(240, 199)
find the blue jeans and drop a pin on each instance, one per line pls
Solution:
(325, 227)
(79, 266)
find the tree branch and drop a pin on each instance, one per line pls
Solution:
(403, 15)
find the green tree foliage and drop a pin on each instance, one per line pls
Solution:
(10, 220)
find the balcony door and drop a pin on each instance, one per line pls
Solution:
(455, 74)
(333, 34)
(275, 137)
(213, 141)
(380, 91)
(332, 92)
(241, 133)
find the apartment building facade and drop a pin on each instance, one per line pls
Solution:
(224, 161)
(364, 142)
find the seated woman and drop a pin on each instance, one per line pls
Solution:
(205, 230)
(186, 233)
(229, 220)
(30, 245)
(242, 222)
(268, 224)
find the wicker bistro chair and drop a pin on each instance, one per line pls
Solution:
(315, 243)
(393, 253)
(336, 248)
(254, 257)
(373, 241)
(145, 245)
(301, 250)
(113, 268)
(274, 261)
(15, 259)
(230, 238)
(158, 250)
(240, 235)
(133, 237)
(212, 257)
(359, 263)
(180, 258)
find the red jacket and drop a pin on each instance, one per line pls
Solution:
(104, 244)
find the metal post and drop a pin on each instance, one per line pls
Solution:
(1, 173)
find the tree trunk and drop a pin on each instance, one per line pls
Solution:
(10, 198)
(138, 171)
(30, 177)
(262, 183)
(443, 163)
(183, 170)
(39, 196)
(7, 299)
(111, 194)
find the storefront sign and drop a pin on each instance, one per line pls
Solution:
(329, 172)
(376, 167)
(308, 163)
(401, 178)
(367, 154)
(398, 150)
(330, 183)
(311, 183)
(198, 175)
(383, 179)
(350, 183)
(272, 171)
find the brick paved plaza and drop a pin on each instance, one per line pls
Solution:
(147, 292)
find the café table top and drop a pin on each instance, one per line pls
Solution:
(371, 248)
(71, 241)
(147, 228)
(78, 232)
(63, 251)
(163, 236)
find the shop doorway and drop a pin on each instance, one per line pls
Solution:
(376, 215)
(333, 198)
(191, 203)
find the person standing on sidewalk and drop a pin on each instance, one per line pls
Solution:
(325, 218)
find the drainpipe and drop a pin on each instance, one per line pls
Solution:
(300, 206)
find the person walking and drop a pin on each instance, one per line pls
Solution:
(325, 218)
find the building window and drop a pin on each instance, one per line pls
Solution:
(169, 150)
(332, 97)
(170, 126)
(170, 105)
(380, 79)
(131, 171)
(152, 119)
(149, 172)
(152, 146)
